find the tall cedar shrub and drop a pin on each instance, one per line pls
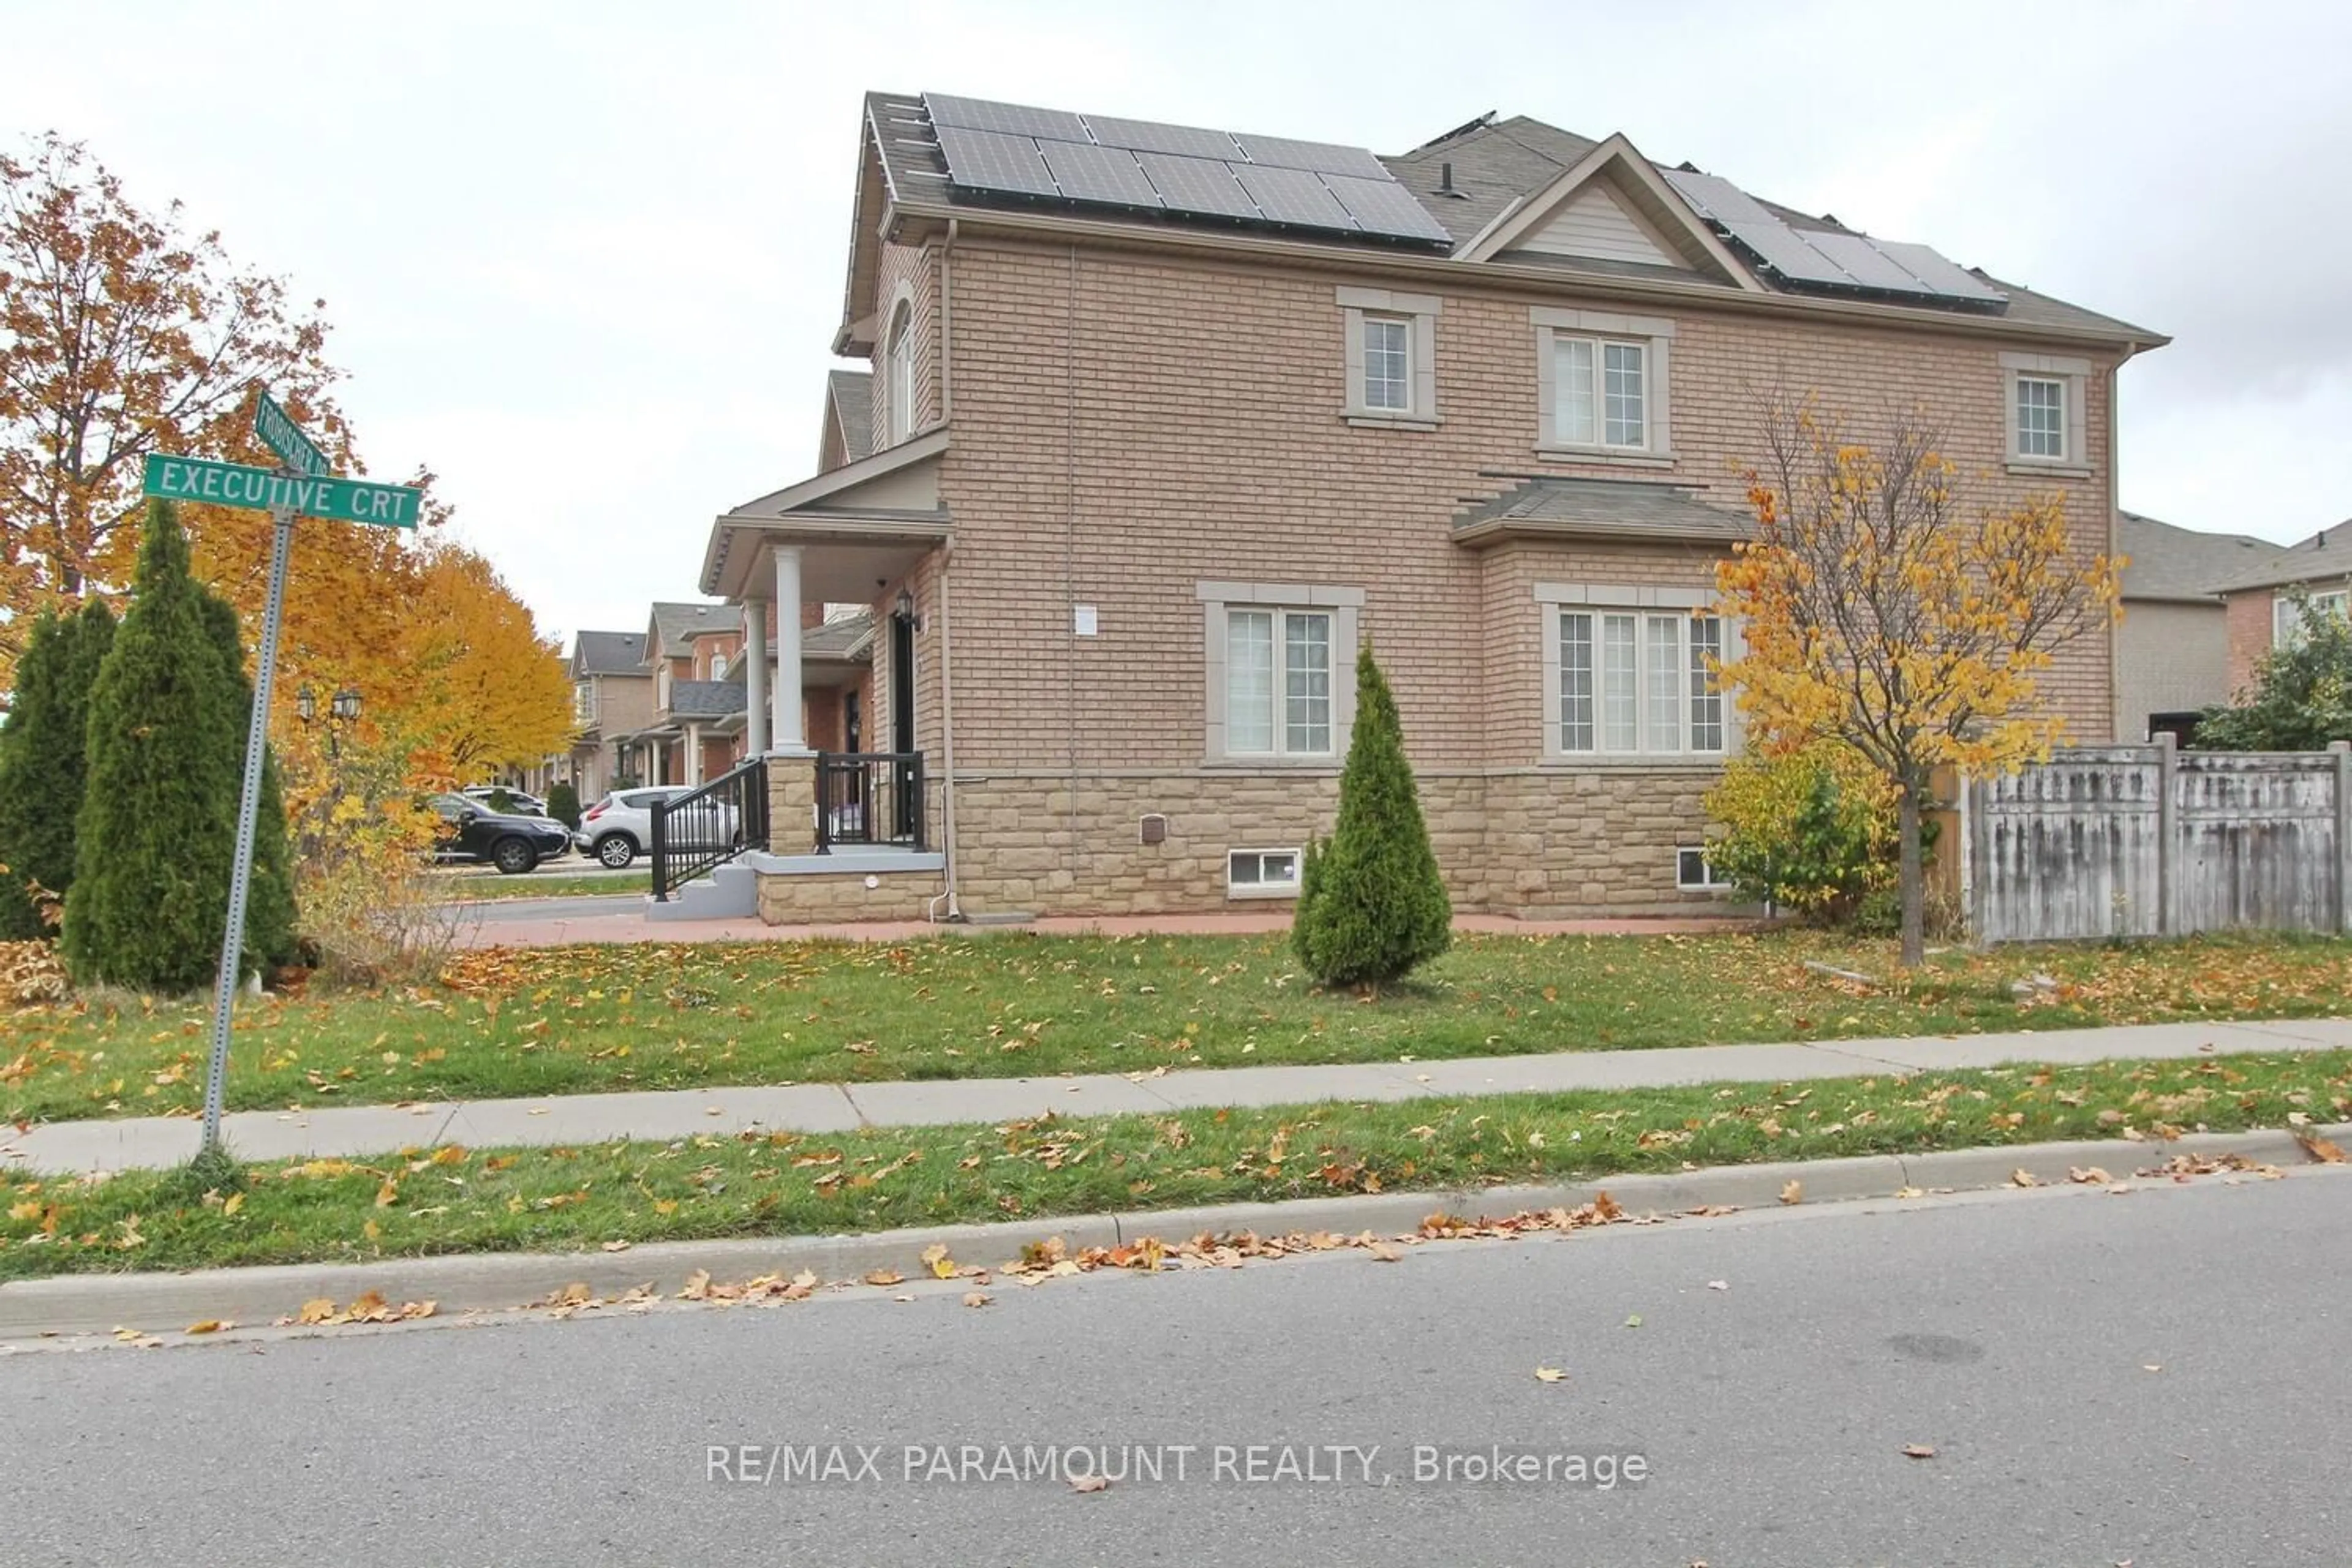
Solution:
(158, 816)
(564, 805)
(42, 762)
(1371, 905)
(269, 938)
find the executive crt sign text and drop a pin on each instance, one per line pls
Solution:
(235, 484)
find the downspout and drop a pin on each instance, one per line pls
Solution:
(947, 642)
(1070, 535)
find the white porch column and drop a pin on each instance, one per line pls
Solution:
(755, 678)
(787, 698)
(694, 753)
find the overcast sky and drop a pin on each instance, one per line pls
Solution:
(586, 260)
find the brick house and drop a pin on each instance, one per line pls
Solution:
(1161, 424)
(2261, 598)
(2172, 651)
(611, 697)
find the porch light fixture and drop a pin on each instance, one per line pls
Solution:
(906, 611)
(345, 705)
(306, 706)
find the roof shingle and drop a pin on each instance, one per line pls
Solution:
(1609, 508)
(2181, 564)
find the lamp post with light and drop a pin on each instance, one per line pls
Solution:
(341, 709)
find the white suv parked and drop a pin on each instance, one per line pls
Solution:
(620, 828)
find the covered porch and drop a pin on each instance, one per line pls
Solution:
(845, 825)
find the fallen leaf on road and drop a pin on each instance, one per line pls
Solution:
(616, 1246)
(2089, 1175)
(698, 1286)
(1090, 1483)
(1549, 1374)
(1909, 1193)
(884, 1276)
(1386, 1252)
(1719, 1284)
(2152, 1366)
(1634, 1322)
(936, 1258)
(977, 1297)
(1793, 1192)
(1918, 1451)
(318, 1309)
(2022, 1177)
(2320, 1149)
(209, 1326)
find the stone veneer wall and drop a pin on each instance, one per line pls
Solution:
(1542, 845)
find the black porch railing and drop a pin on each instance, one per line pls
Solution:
(710, 826)
(869, 797)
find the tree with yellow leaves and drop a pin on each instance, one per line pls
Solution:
(483, 689)
(1878, 610)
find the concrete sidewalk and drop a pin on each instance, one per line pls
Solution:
(662, 1115)
(568, 921)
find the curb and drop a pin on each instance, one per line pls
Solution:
(96, 1303)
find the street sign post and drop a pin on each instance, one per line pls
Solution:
(264, 490)
(304, 489)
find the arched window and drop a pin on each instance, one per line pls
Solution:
(901, 374)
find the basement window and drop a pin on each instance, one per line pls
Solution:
(1262, 874)
(1694, 873)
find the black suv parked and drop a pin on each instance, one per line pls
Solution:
(472, 831)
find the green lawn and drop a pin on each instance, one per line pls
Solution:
(527, 1023)
(478, 1201)
(636, 883)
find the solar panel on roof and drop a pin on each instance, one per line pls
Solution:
(1323, 157)
(1197, 185)
(1005, 118)
(1867, 265)
(1940, 273)
(1292, 195)
(1785, 251)
(1385, 206)
(1090, 174)
(988, 161)
(1716, 198)
(1150, 136)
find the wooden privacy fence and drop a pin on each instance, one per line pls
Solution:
(2123, 841)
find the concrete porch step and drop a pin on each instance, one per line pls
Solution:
(732, 891)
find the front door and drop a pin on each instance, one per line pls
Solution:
(902, 725)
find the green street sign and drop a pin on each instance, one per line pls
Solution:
(261, 489)
(282, 436)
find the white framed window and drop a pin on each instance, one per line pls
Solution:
(2286, 619)
(1694, 873)
(899, 373)
(1278, 682)
(1391, 357)
(1279, 657)
(718, 667)
(1629, 674)
(1602, 385)
(1262, 874)
(2044, 393)
(1388, 364)
(583, 702)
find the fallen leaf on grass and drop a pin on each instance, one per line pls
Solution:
(1918, 1451)
(1793, 1192)
(616, 1246)
(236, 1202)
(1551, 1374)
(2320, 1149)
(1090, 1483)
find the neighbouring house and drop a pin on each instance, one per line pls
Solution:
(611, 697)
(2262, 597)
(2172, 651)
(1166, 423)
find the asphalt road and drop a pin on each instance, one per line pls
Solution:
(2012, 1333)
